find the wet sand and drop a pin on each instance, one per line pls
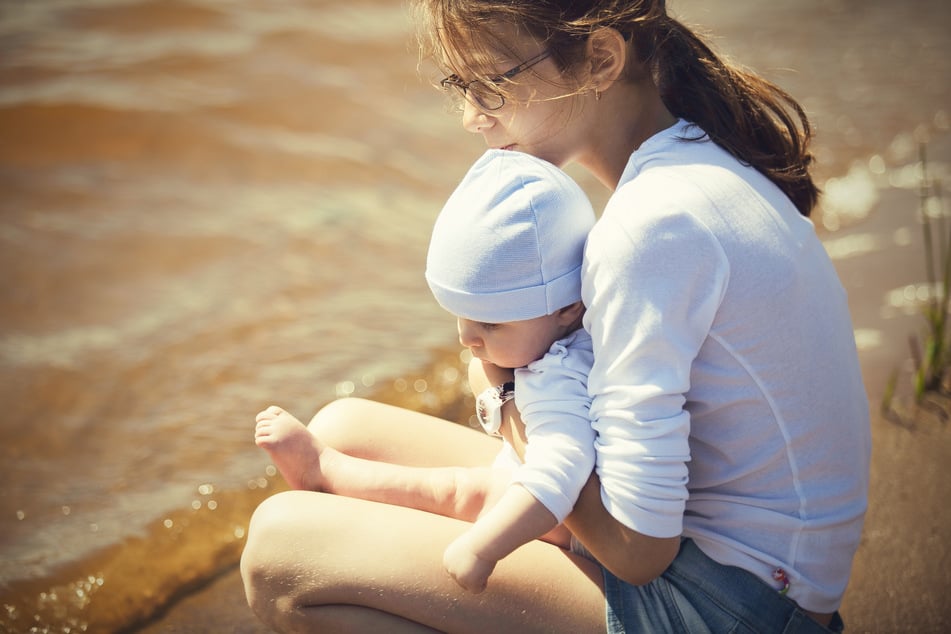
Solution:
(902, 568)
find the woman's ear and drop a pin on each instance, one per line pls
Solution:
(607, 56)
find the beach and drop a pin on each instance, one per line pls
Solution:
(209, 207)
(902, 564)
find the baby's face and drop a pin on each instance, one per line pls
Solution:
(511, 344)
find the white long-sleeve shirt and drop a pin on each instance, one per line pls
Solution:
(551, 395)
(727, 396)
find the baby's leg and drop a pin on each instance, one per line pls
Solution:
(307, 463)
(378, 431)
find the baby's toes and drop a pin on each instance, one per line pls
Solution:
(271, 412)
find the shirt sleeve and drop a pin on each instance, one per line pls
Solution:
(552, 397)
(652, 284)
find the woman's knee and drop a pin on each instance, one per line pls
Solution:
(379, 431)
(268, 563)
(257, 559)
(338, 412)
(264, 536)
(359, 427)
(339, 420)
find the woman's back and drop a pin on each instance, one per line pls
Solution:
(741, 331)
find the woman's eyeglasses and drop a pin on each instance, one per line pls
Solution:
(485, 94)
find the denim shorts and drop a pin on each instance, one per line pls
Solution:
(698, 595)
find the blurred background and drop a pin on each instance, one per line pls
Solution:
(209, 206)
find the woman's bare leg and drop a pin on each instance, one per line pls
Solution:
(323, 562)
(319, 562)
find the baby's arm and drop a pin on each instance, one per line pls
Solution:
(516, 519)
(557, 447)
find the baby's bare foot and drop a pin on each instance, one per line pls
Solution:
(294, 450)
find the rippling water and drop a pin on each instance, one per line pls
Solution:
(207, 206)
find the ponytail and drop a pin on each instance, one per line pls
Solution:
(753, 119)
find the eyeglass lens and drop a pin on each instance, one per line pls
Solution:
(486, 95)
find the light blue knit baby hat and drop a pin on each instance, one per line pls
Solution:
(509, 242)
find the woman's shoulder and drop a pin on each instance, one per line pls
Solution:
(696, 183)
(660, 221)
(674, 163)
(658, 204)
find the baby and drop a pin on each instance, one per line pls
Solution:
(505, 259)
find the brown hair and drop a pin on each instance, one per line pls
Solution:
(753, 119)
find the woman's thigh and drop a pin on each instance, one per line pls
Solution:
(308, 550)
(377, 431)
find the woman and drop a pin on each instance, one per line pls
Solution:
(733, 438)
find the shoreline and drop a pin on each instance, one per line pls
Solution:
(130, 584)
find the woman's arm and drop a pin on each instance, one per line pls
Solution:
(631, 556)
(653, 282)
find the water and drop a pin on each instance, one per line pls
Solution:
(207, 206)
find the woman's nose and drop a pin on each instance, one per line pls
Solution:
(474, 119)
